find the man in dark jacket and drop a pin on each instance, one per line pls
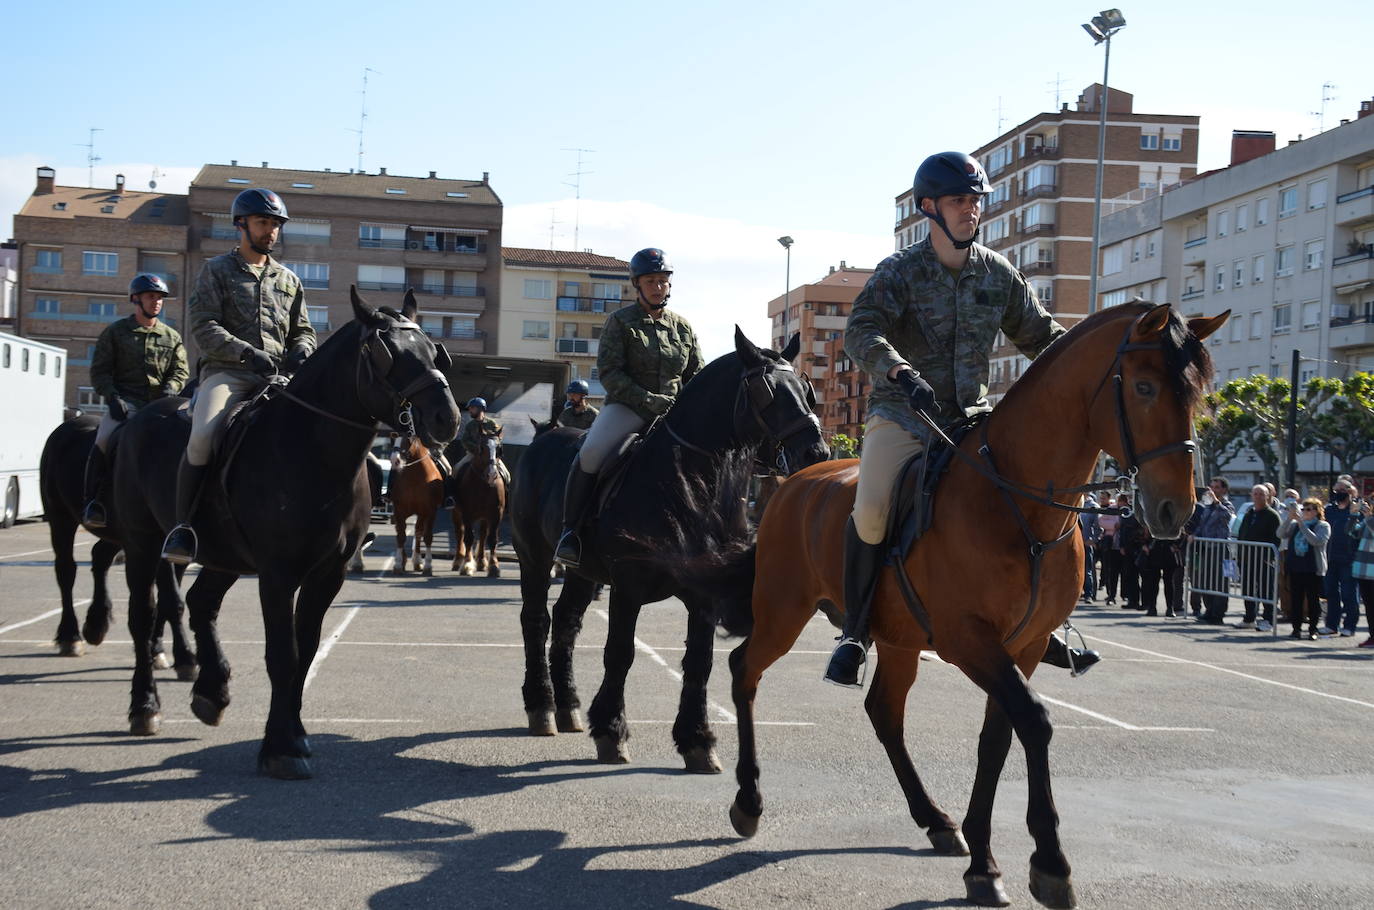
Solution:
(1260, 525)
(1215, 524)
(1342, 594)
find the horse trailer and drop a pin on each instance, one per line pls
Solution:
(31, 390)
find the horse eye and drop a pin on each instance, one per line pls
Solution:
(1144, 388)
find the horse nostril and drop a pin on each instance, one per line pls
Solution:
(1166, 514)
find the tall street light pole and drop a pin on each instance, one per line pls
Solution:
(1101, 29)
(787, 288)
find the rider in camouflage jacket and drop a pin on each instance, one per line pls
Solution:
(233, 309)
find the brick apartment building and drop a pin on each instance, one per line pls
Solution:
(382, 232)
(819, 311)
(78, 249)
(555, 303)
(1040, 213)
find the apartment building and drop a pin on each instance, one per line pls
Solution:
(78, 248)
(382, 232)
(1040, 213)
(819, 311)
(555, 303)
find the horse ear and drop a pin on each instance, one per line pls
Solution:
(747, 350)
(362, 311)
(409, 308)
(1153, 322)
(534, 423)
(1203, 327)
(793, 348)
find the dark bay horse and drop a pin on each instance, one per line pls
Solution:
(1125, 381)
(701, 451)
(480, 503)
(291, 506)
(62, 472)
(418, 492)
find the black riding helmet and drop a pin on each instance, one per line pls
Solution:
(258, 201)
(148, 282)
(578, 386)
(647, 262)
(950, 174)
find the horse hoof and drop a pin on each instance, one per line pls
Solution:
(428, 573)
(145, 723)
(1052, 890)
(570, 720)
(986, 891)
(285, 767)
(186, 672)
(494, 572)
(948, 842)
(541, 723)
(209, 713)
(610, 751)
(702, 760)
(71, 648)
(745, 825)
(161, 661)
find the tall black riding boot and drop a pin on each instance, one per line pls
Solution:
(1076, 660)
(97, 474)
(180, 546)
(576, 498)
(862, 563)
(446, 478)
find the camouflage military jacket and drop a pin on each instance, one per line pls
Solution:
(913, 311)
(578, 420)
(640, 356)
(138, 364)
(474, 430)
(232, 309)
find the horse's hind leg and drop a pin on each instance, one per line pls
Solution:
(458, 550)
(609, 729)
(210, 693)
(100, 614)
(692, 729)
(886, 707)
(171, 610)
(61, 534)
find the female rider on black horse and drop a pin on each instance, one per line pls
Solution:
(646, 355)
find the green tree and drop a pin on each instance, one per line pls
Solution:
(1263, 401)
(1220, 434)
(1346, 427)
(844, 446)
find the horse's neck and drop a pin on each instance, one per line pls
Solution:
(331, 387)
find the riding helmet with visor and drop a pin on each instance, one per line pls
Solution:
(477, 403)
(578, 387)
(147, 282)
(950, 174)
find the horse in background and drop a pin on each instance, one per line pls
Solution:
(417, 491)
(375, 483)
(61, 480)
(477, 510)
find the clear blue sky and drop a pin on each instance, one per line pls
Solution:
(716, 126)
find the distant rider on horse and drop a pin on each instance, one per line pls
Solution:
(576, 412)
(478, 426)
(248, 317)
(136, 360)
(923, 328)
(645, 356)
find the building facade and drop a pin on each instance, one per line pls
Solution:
(78, 249)
(555, 303)
(381, 232)
(1040, 213)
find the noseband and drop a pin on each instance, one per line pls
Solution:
(1123, 422)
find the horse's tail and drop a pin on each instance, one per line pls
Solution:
(730, 585)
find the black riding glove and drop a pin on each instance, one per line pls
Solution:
(258, 362)
(658, 404)
(118, 408)
(293, 361)
(918, 392)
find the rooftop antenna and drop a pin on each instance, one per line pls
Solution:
(1000, 117)
(91, 156)
(553, 220)
(362, 117)
(1327, 88)
(152, 181)
(577, 176)
(1058, 84)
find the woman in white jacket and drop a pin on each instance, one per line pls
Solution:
(1303, 537)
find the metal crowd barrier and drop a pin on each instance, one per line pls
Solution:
(1243, 569)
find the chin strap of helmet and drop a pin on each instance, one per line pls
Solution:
(653, 306)
(139, 303)
(940, 220)
(243, 226)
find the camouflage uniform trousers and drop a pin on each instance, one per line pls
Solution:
(220, 391)
(886, 448)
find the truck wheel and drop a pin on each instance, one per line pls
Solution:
(11, 504)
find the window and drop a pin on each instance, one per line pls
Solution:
(1237, 329)
(47, 305)
(539, 289)
(1173, 143)
(535, 329)
(319, 317)
(42, 363)
(96, 263)
(239, 180)
(1313, 255)
(1288, 201)
(314, 275)
(1242, 218)
(456, 195)
(301, 231)
(1223, 222)
(381, 236)
(1283, 318)
(1114, 298)
(303, 186)
(1316, 195)
(1256, 325)
(1311, 314)
(6, 355)
(1306, 374)
(1220, 283)
(381, 278)
(1045, 292)
(606, 291)
(24, 360)
(1149, 140)
(432, 324)
(1238, 273)
(1111, 260)
(1150, 248)
(57, 367)
(87, 398)
(1257, 269)
(394, 191)
(48, 262)
(1262, 210)
(100, 307)
(1283, 263)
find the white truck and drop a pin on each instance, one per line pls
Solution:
(32, 386)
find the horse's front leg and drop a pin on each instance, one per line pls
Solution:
(100, 614)
(429, 545)
(171, 611)
(281, 755)
(210, 693)
(567, 624)
(145, 708)
(692, 729)
(469, 547)
(609, 729)
(398, 567)
(493, 564)
(317, 594)
(537, 689)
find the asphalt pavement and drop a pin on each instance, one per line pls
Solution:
(1195, 767)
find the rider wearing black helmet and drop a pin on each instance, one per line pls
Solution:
(576, 412)
(923, 328)
(477, 426)
(136, 360)
(645, 356)
(248, 317)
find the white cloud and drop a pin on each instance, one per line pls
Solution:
(726, 270)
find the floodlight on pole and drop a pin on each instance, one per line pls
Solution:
(786, 242)
(1101, 29)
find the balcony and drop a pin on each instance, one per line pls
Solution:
(992, 208)
(1353, 272)
(1040, 191)
(1043, 267)
(1352, 331)
(220, 233)
(1032, 230)
(1191, 294)
(439, 290)
(1042, 153)
(588, 304)
(578, 346)
(1193, 252)
(1355, 208)
(381, 286)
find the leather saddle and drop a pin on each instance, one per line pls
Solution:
(913, 494)
(224, 445)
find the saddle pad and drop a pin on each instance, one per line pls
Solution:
(913, 494)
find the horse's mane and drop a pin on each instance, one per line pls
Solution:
(1186, 360)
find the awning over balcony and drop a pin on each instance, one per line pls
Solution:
(448, 230)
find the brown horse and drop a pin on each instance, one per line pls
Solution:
(480, 503)
(418, 490)
(1124, 381)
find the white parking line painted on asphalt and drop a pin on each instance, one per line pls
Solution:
(319, 720)
(328, 644)
(1121, 723)
(657, 658)
(79, 543)
(39, 618)
(1249, 676)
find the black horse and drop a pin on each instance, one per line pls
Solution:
(292, 506)
(61, 473)
(700, 453)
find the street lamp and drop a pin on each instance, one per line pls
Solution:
(787, 288)
(1101, 29)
